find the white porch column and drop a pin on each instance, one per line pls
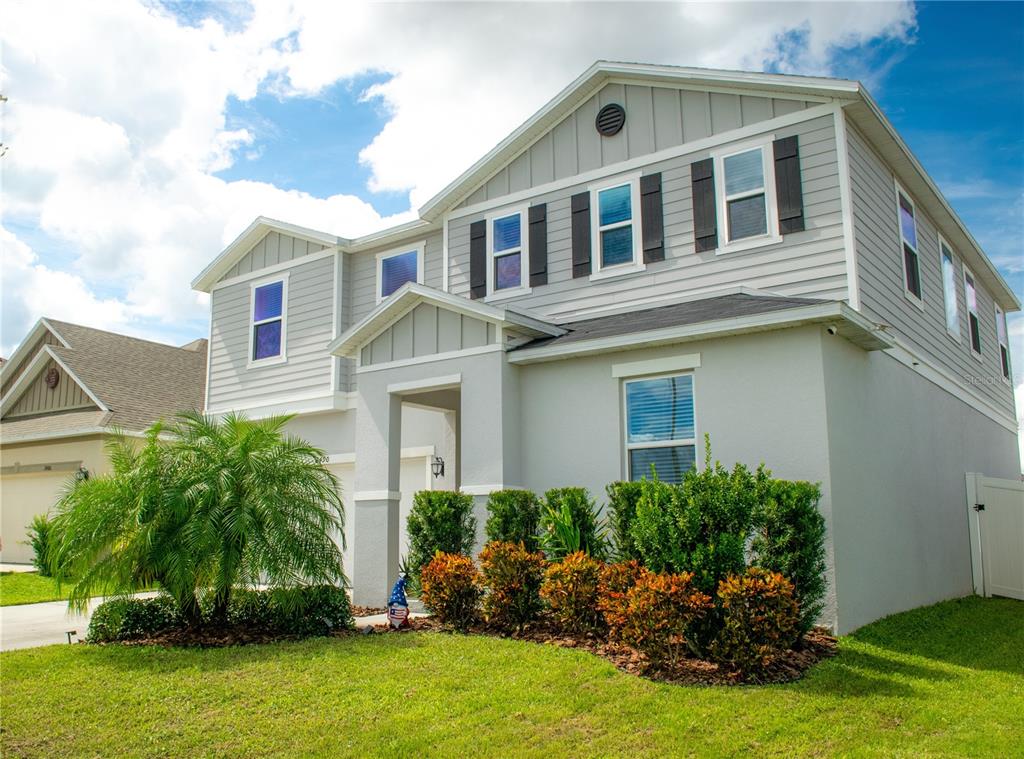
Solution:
(375, 512)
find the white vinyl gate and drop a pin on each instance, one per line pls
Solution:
(995, 510)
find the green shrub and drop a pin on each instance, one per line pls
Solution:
(307, 611)
(514, 517)
(702, 524)
(660, 610)
(132, 618)
(569, 523)
(571, 591)
(760, 620)
(789, 538)
(440, 520)
(512, 576)
(613, 593)
(42, 540)
(452, 587)
(622, 501)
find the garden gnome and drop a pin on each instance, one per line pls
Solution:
(398, 607)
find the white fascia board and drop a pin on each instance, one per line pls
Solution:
(411, 294)
(208, 277)
(83, 432)
(312, 404)
(390, 236)
(21, 352)
(790, 317)
(33, 370)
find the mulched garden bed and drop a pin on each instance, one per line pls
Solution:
(816, 646)
(368, 611)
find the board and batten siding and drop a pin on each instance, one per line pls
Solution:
(809, 263)
(309, 326)
(881, 287)
(426, 331)
(656, 118)
(39, 398)
(275, 248)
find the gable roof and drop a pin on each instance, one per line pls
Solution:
(133, 382)
(411, 294)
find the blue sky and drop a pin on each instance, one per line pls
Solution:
(134, 162)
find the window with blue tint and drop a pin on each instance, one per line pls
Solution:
(615, 225)
(267, 320)
(949, 291)
(660, 427)
(396, 270)
(908, 233)
(507, 252)
(746, 208)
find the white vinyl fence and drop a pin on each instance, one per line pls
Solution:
(995, 513)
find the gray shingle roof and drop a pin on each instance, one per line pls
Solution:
(676, 315)
(139, 381)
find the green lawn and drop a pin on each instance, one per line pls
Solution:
(946, 680)
(29, 588)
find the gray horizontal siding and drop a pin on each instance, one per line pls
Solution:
(656, 118)
(809, 263)
(273, 249)
(425, 331)
(39, 398)
(880, 282)
(309, 327)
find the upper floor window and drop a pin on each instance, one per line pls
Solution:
(949, 289)
(507, 252)
(971, 296)
(1004, 346)
(746, 207)
(396, 267)
(615, 227)
(908, 237)
(267, 333)
(660, 427)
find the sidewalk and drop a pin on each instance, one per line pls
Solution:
(43, 624)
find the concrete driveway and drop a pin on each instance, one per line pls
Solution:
(31, 625)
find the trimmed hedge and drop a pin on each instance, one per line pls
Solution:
(439, 521)
(514, 517)
(306, 611)
(623, 498)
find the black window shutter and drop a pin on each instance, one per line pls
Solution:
(787, 185)
(652, 218)
(705, 222)
(538, 238)
(581, 235)
(478, 259)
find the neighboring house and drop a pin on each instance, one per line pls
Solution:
(658, 254)
(65, 390)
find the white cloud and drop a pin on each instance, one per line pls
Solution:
(116, 117)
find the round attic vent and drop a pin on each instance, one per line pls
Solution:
(610, 119)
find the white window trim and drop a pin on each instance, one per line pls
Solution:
(282, 357)
(954, 335)
(772, 236)
(419, 248)
(915, 299)
(1004, 344)
(637, 264)
(524, 254)
(967, 305)
(627, 446)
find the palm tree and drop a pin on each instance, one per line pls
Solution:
(203, 507)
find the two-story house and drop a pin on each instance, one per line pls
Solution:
(657, 254)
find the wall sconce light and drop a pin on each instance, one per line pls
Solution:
(82, 474)
(437, 466)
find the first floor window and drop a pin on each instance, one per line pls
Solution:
(507, 252)
(615, 225)
(949, 290)
(267, 320)
(396, 269)
(1004, 346)
(972, 311)
(746, 209)
(908, 236)
(660, 432)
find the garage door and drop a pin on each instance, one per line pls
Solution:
(22, 496)
(415, 476)
(996, 512)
